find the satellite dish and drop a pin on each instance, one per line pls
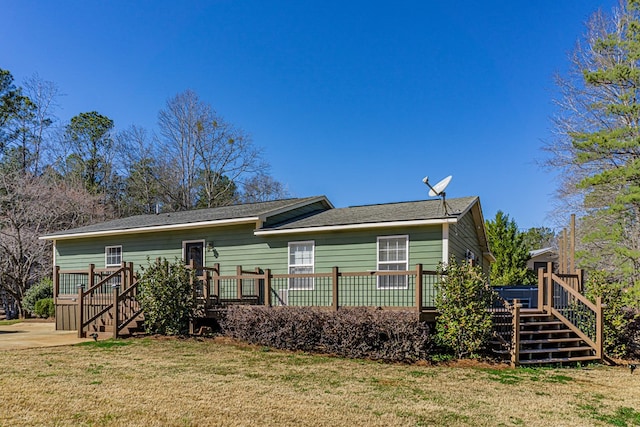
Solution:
(438, 189)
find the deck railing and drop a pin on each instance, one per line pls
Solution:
(412, 289)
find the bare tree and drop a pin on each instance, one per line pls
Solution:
(44, 95)
(30, 207)
(262, 188)
(207, 156)
(143, 172)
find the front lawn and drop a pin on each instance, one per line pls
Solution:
(144, 382)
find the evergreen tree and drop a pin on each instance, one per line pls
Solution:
(508, 247)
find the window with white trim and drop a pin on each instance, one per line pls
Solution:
(393, 254)
(301, 260)
(113, 256)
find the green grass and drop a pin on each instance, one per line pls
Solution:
(105, 344)
(10, 322)
(175, 382)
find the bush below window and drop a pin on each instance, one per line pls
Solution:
(350, 332)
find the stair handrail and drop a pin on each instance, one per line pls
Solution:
(120, 325)
(103, 281)
(501, 305)
(125, 271)
(579, 305)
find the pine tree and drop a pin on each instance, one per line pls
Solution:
(508, 247)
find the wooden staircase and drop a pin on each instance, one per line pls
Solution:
(543, 339)
(109, 307)
(566, 328)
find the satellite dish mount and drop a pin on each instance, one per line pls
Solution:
(438, 190)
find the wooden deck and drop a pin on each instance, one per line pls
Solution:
(566, 327)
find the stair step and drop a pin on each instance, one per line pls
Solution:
(543, 323)
(551, 340)
(554, 350)
(546, 331)
(559, 360)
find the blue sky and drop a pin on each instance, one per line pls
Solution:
(356, 100)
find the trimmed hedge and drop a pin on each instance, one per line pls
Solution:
(394, 336)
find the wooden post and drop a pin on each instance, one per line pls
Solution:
(267, 287)
(80, 313)
(116, 309)
(239, 281)
(123, 275)
(256, 283)
(191, 267)
(549, 292)
(335, 275)
(572, 244)
(419, 288)
(599, 329)
(56, 281)
(563, 251)
(541, 288)
(205, 287)
(130, 272)
(92, 282)
(580, 273)
(515, 343)
(216, 280)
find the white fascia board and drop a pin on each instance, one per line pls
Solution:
(489, 256)
(356, 226)
(153, 229)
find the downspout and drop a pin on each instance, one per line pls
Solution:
(445, 243)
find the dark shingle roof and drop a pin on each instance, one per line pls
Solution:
(390, 212)
(194, 216)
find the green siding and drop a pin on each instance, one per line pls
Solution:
(463, 236)
(236, 245)
(351, 251)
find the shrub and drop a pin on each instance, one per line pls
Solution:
(41, 290)
(349, 332)
(167, 297)
(45, 308)
(462, 298)
(397, 336)
(620, 321)
(291, 328)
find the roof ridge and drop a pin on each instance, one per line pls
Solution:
(406, 202)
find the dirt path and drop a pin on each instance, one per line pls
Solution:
(35, 334)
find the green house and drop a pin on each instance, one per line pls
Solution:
(302, 236)
(293, 235)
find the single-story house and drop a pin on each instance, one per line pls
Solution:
(293, 236)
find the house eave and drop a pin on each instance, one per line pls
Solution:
(153, 229)
(347, 227)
